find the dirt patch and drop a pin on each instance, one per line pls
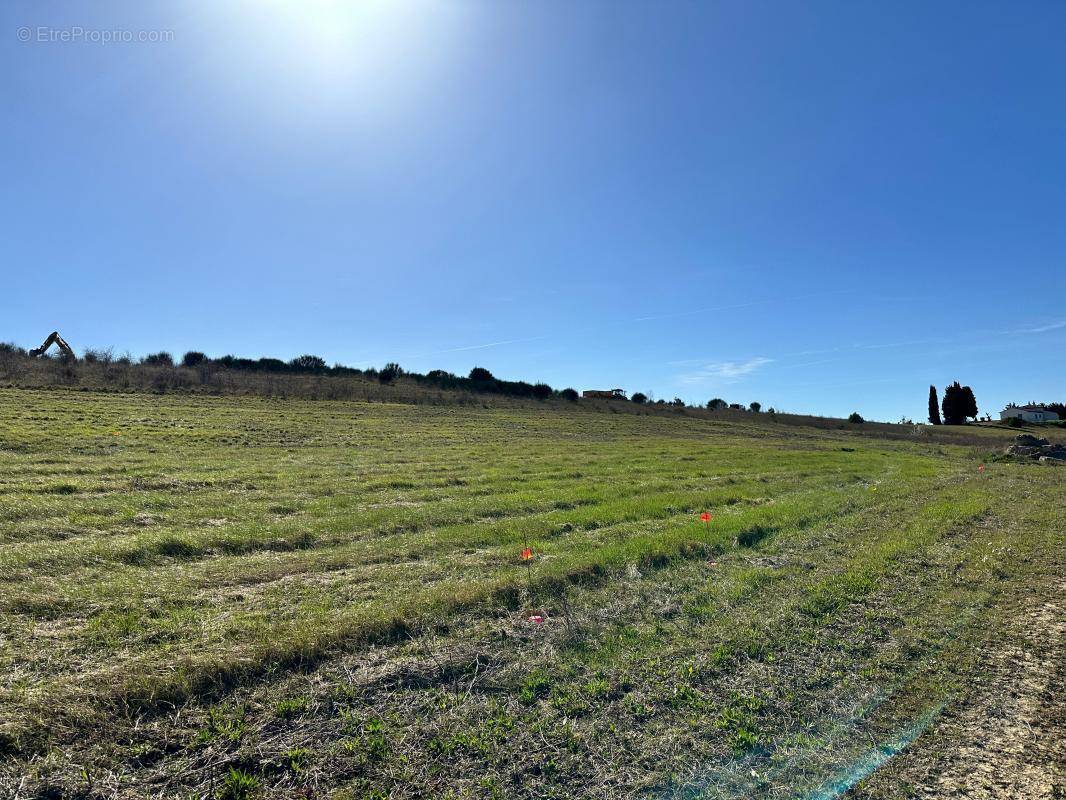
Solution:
(1006, 738)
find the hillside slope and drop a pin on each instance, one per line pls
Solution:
(221, 596)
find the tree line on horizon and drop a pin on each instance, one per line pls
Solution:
(959, 403)
(478, 379)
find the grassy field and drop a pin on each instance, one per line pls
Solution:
(240, 597)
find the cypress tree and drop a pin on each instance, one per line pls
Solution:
(934, 407)
(959, 404)
(968, 403)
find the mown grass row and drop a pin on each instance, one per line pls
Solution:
(737, 674)
(330, 521)
(281, 632)
(120, 591)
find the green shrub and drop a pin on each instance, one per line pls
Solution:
(193, 358)
(160, 359)
(308, 363)
(390, 372)
(542, 391)
(97, 356)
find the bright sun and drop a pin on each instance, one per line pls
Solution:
(331, 56)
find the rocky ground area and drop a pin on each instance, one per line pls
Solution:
(1029, 446)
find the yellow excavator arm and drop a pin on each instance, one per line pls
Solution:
(55, 339)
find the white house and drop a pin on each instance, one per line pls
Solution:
(1028, 413)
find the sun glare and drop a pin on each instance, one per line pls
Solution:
(330, 57)
(333, 40)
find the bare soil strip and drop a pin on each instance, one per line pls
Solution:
(1005, 739)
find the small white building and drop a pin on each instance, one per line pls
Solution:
(1028, 413)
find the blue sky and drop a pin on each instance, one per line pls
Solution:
(821, 206)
